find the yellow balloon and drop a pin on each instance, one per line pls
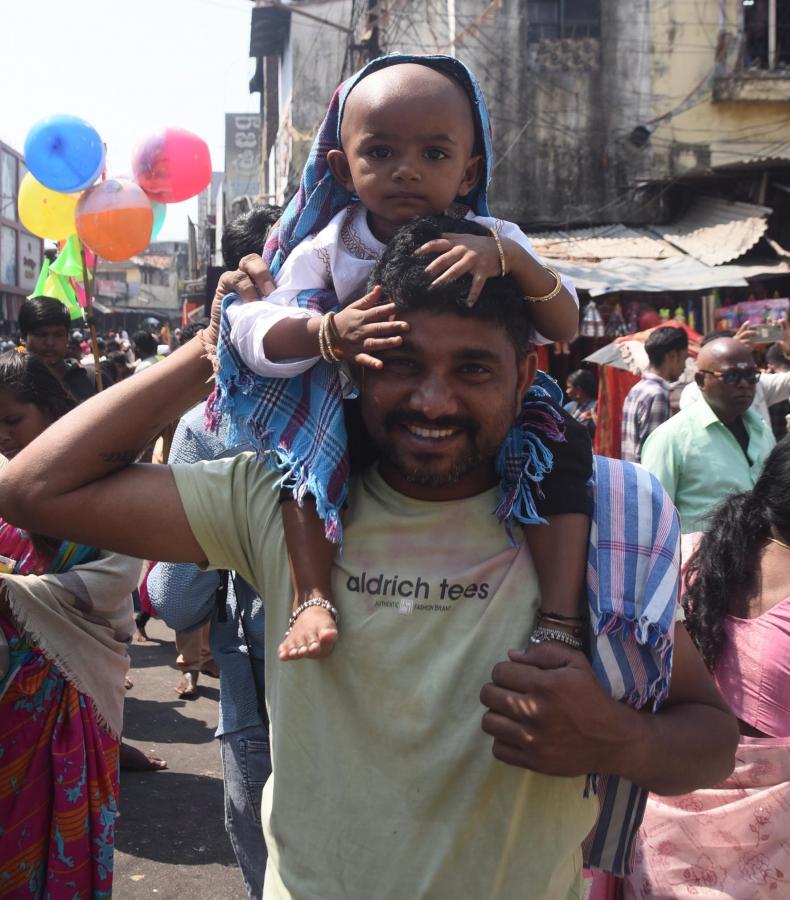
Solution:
(48, 214)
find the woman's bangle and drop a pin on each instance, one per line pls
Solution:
(495, 236)
(553, 293)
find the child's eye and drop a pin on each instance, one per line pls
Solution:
(435, 153)
(380, 152)
(474, 370)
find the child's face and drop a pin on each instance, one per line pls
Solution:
(407, 139)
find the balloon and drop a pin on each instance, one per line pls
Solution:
(160, 211)
(114, 218)
(649, 319)
(64, 153)
(172, 166)
(46, 213)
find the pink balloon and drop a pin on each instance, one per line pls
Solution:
(172, 166)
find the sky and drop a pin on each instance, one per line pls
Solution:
(130, 69)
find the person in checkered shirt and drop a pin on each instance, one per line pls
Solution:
(647, 403)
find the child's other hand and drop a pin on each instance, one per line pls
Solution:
(462, 254)
(368, 326)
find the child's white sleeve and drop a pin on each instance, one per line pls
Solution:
(512, 231)
(305, 269)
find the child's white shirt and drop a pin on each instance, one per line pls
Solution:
(341, 255)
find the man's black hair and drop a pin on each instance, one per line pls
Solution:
(775, 356)
(586, 381)
(402, 276)
(41, 312)
(144, 342)
(663, 341)
(247, 234)
(188, 332)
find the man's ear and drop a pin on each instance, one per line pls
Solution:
(472, 174)
(338, 166)
(700, 379)
(527, 368)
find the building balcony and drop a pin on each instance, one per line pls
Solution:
(759, 86)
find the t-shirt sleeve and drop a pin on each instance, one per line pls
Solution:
(232, 508)
(304, 270)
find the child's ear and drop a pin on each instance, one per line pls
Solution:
(338, 166)
(472, 174)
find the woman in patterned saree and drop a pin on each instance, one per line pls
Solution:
(65, 621)
(731, 841)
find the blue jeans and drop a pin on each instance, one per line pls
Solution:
(246, 764)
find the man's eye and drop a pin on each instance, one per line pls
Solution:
(380, 152)
(12, 420)
(398, 364)
(474, 370)
(435, 153)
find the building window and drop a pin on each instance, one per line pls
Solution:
(766, 25)
(556, 19)
(8, 186)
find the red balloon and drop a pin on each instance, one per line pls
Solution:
(114, 219)
(649, 319)
(172, 166)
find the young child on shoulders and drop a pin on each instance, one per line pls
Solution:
(412, 140)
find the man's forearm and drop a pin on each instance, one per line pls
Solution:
(105, 433)
(704, 737)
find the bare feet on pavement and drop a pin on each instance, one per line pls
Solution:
(187, 687)
(312, 636)
(134, 760)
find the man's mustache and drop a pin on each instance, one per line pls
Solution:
(401, 417)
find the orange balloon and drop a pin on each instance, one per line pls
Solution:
(114, 219)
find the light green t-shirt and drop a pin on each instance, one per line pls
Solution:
(385, 785)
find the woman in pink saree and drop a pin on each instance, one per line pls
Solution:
(733, 841)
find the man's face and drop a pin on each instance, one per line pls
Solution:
(442, 404)
(677, 364)
(728, 399)
(48, 344)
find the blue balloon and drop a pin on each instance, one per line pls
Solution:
(64, 153)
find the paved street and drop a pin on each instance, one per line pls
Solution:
(171, 840)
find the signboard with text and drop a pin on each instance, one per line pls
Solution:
(242, 157)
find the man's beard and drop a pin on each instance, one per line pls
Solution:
(421, 473)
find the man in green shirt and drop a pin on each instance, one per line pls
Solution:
(716, 446)
(386, 780)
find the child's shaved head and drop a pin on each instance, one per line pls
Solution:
(408, 139)
(413, 81)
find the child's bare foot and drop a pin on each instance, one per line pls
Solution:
(312, 636)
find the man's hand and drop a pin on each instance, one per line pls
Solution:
(547, 712)
(746, 334)
(368, 326)
(251, 281)
(462, 254)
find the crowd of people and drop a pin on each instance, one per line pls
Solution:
(503, 676)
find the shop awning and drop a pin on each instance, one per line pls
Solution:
(688, 255)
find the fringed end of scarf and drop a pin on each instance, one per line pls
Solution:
(656, 640)
(302, 481)
(524, 460)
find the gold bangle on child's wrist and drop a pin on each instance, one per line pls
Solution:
(555, 290)
(495, 236)
(326, 332)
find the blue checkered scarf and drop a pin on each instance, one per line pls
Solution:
(297, 424)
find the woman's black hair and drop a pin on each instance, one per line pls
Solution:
(31, 381)
(586, 381)
(723, 573)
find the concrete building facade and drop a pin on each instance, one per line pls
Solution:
(602, 110)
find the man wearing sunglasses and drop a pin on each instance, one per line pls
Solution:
(717, 446)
